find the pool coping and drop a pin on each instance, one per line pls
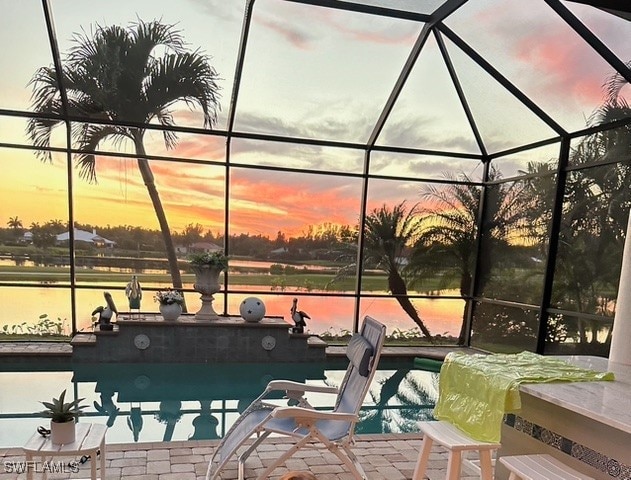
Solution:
(64, 350)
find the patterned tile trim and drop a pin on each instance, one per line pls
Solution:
(597, 460)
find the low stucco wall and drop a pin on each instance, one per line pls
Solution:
(148, 338)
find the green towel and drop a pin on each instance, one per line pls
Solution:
(477, 390)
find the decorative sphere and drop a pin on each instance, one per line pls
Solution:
(252, 309)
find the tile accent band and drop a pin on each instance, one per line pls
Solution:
(594, 459)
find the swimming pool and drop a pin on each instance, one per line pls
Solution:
(165, 402)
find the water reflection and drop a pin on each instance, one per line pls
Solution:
(441, 315)
(140, 265)
(205, 423)
(148, 403)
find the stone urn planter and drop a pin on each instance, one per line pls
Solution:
(207, 267)
(207, 283)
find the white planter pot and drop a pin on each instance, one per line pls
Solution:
(62, 433)
(170, 312)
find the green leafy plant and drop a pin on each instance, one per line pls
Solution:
(207, 258)
(60, 411)
(45, 326)
(169, 297)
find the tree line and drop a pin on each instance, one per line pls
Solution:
(321, 242)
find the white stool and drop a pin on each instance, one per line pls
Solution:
(540, 467)
(454, 440)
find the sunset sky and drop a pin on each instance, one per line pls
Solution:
(309, 72)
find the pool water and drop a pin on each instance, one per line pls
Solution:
(165, 402)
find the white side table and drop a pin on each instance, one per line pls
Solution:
(90, 437)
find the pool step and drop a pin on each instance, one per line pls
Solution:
(83, 339)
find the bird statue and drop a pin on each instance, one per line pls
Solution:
(106, 313)
(134, 293)
(298, 316)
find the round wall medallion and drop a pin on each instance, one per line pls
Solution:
(142, 341)
(268, 342)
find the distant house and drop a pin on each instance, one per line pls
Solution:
(27, 237)
(279, 252)
(88, 237)
(204, 247)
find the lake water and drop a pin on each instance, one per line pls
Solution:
(253, 264)
(442, 316)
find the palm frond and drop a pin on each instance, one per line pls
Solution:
(186, 76)
(166, 119)
(613, 85)
(88, 137)
(45, 100)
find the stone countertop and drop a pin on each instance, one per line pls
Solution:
(608, 402)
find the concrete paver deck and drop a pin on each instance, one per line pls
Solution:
(384, 457)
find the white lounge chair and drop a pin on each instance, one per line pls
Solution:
(309, 427)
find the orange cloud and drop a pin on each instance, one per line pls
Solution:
(567, 62)
(371, 29)
(539, 52)
(352, 26)
(269, 201)
(288, 31)
(262, 202)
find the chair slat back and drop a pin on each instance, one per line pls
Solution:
(355, 386)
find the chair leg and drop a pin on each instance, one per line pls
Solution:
(454, 463)
(423, 458)
(486, 465)
(244, 456)
(351, 462)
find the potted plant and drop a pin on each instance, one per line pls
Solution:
(208, 259)
(207, 267)
(62, 418)
(170, 303)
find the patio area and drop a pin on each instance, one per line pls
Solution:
(384, 457)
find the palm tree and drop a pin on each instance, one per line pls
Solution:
(388, 233)
(594, 217)
(448, 237)
(115, 77)
(15, 224)
(448, 232)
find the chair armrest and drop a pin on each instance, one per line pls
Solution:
(298, 387)
(308, 414)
